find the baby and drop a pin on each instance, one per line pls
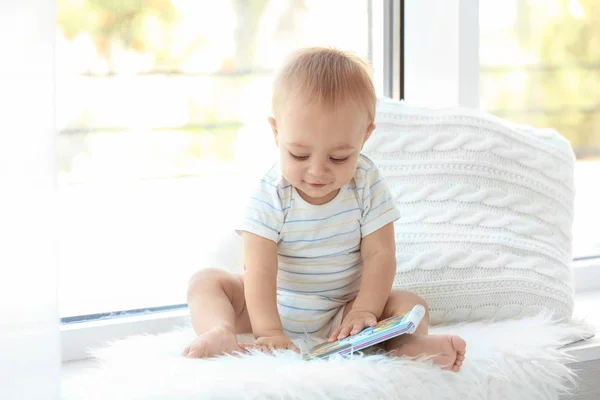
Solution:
(318, 233)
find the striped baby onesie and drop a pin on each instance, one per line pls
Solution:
(320, 264)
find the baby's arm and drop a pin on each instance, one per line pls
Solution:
(378, 251)
(260, 290)
(260, 282)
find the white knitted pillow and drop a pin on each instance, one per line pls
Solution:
(487, 209)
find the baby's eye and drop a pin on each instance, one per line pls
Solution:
(299, 158)
(338, 160)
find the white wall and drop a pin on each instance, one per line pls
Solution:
(29, 350)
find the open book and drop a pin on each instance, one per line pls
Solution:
(386, 329)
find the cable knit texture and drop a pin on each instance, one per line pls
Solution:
(486, 211)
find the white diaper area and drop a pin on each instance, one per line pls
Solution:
(303, 314)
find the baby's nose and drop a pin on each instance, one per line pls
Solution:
(317, 169)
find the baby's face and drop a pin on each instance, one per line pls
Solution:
(319, 148)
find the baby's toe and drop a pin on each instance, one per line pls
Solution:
(459, 344)
(458, 363)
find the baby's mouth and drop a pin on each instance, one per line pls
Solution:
(316, 185)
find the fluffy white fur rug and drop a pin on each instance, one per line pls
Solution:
(518, 359)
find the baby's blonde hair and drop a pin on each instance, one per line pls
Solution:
(327, 76)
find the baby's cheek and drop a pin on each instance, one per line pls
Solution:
(291, 174)
(349, 173)
(285, 169)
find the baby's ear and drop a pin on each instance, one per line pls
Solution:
(370, 130)
(273, 124)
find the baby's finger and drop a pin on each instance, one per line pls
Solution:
(345, 332)
(372, 321)
(358, 326)
(335, 334)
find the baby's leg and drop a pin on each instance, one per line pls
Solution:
(445, 350)
(218, 311)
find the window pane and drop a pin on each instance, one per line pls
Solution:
(161, 106)
(540, 65)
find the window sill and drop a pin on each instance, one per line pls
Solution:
(585, 350)
(79, 337)
(586, 275)
(587, 305)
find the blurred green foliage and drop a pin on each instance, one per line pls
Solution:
(559, 85)
(574, 41)
(124, 22)
(562, 82)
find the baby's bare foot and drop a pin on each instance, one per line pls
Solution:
(445, 350)
(217, 341)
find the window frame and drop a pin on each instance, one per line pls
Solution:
(458, 21)
(393, 49)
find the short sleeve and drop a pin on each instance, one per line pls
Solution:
(263, 214)
(378, 205)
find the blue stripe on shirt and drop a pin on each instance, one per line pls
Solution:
(274, 185)
(308, 309)
(268, 183)
(370, 187)
(322, 219)
(321, 291)
(320, 273)
(381, 204)
(263, 224)
(319, 239)
(373, 185)
(350, 250)
(267, 203)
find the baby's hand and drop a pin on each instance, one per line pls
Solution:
(354, 323)
(267, 344)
